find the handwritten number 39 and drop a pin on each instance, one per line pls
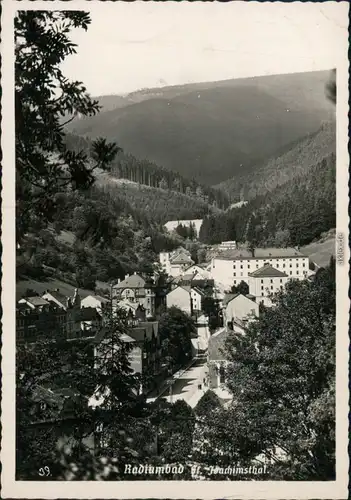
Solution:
(44, 471)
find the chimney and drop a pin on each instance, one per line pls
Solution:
(119, 280)
(57, 289)
(134, 273)
(126, 276)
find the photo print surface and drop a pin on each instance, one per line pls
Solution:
(175, 250)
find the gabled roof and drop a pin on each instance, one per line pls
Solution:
(98, 297)
(127, 338)
(36, 301)
(144, 329)
(60, 297)
(181, 258)
(133, 281)
(228, 297)
(216, 344)
(184, 287)
(268, 272)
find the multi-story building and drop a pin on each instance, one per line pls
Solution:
(72, 306)
(38, 319)
(266, 281)
(146, 351)
(233, 266)
(138, 290)
(187, 298)
(217, 360)
(175, 263)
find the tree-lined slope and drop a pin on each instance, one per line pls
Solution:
(296, 160)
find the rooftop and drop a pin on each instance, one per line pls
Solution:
(181, 258)
(133, 281)
(260, 253)
(216, 345)
(268, 272)
(228, 297)
(36, 301)
(60, 297)
(231, 296)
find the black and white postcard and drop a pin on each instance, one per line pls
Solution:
(175, 250)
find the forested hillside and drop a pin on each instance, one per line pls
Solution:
(213, 130)
(144, 172)
(294, 161)
(111, 238)
(161, 205)
(294, 213)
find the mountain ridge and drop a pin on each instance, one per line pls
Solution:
(215, 132)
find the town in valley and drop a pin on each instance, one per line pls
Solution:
(175, 260)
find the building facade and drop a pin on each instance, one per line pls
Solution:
(38, 319)
(238, 306)
(175, 263)
(233, 266)
(138, 290)
(266, 281)
(180, 297)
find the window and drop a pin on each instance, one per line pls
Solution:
(221, 374)
(256, 266)
(234, 273)
(241, 274)
(271, 281)
(241, 266)
(261, 281)
(290, 273)
(281, 281)
(271, 287)
(297, 272)
(297, 264)
(262, 287)
(290, 265)
(283, 265)
(303, 264)
(277, 266)
(234, 282)
(281, 287)
(248, 266)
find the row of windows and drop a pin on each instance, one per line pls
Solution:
(297, 273)
(276, 265)
(272, 287)
(271, 260)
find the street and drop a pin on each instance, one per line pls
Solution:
(186, 384)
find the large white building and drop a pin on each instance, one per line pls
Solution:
(233, 266)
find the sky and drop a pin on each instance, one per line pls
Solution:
(130, 46)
